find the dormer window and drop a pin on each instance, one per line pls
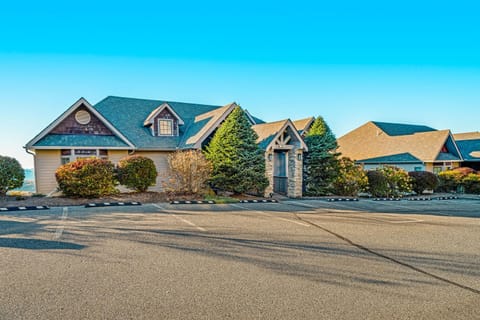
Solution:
(165, 127)
(163, 121)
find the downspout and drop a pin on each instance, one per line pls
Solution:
(34, 166)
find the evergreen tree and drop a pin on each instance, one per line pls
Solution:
(238, 163)
(321, 161)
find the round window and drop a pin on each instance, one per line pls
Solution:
(83, 117)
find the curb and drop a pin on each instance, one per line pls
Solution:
(24, 208)
(341, 199)
(192, 202)
(213, 202)
(112, 204)
(420, 199)
(259, 201)
(387, 199)
(446, 198)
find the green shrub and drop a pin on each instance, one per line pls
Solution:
(377, 183)
(88, 178)
(450, 181)
(423, 180)
(137, 172)
(351, 178)
(472, 183)
(388, 181)
(11, 174)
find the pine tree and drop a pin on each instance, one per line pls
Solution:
(238, 163)
(321, 161)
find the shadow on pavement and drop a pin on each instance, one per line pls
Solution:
(37, 244)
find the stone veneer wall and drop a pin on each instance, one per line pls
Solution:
(295, 173)
(269, 173)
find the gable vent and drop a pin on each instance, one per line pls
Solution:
(83, 117)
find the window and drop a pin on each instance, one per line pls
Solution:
(165, 127)
(69, 155)
(437, 170)
(418, 169)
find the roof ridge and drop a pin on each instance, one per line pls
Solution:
(273, 122)
(161, 101)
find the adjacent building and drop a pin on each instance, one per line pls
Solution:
(411, 147)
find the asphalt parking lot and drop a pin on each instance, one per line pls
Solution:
(307, 259)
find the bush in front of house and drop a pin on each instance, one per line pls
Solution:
(377, 183)
(388, 181)
(189, 172)
(351, 178)
(450, 180)
(238, 163)
(86, 178)
(11, 174)
(423, 180)
(137, 172)
(471, 182)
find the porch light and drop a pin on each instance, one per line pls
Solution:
(270, 156)
(299, 156)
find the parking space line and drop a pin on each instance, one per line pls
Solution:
(181, 219)
(271, 215)
(61, 227)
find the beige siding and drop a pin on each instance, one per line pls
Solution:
(116, 155)
(46, 163)
(161, 162)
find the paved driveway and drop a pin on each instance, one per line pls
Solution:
(297, 259)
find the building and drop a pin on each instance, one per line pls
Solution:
(117, 127)
(411, 147)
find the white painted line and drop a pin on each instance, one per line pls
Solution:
(61, 227)
(182, 219)
(301, 204)
(190, 223)
(271, 215)
(157, 206)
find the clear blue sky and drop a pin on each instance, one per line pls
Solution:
(348, 61)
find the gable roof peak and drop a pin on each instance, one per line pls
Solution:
(149, 120)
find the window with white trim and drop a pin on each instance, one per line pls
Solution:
(165, 127)
(69, 155)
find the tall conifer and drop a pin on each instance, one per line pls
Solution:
(238, 163)
(321, 161)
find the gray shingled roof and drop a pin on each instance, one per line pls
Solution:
(128, 114)
(78, 140)
(394, 158)
(400, 129)
(469, 148)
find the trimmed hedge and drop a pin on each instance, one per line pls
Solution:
(377, 183)
(450, 181)
(11, 174)
(423, 180)
(86, 178)
(137, 172)
(472, 183)
(388, 181)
